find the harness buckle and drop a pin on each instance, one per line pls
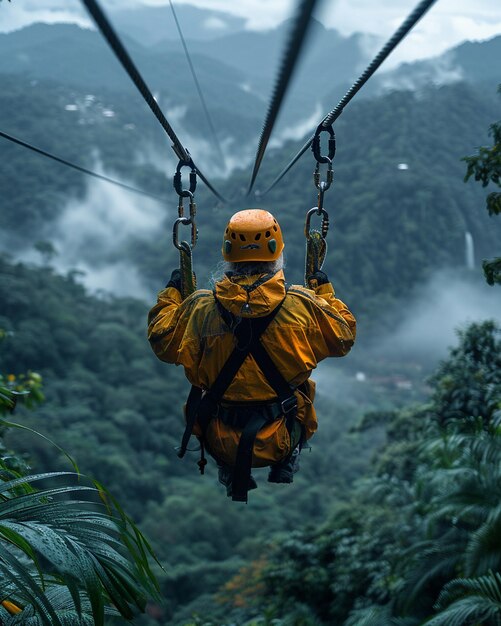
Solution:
(289, 404)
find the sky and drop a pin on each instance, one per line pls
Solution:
(446, 24)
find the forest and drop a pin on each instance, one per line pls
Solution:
(394, 517)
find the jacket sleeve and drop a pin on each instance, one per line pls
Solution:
(166, 327)
(336, 322)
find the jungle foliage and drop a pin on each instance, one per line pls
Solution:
(69, 555)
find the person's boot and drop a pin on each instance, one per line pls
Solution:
(225, 477)
(284, 471)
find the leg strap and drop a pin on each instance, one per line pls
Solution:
(192, 406)
(243, 462)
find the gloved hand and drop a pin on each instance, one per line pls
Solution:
(175, 280)
(319, 277)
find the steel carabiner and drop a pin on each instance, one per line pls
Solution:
(185, 221)
(178, 186)
(315, 144)
(324, 225)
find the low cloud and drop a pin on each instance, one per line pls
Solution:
(397, 364)
(92, 236)
(297, 131)
(19, 14)
(439, 71)
(431, 318)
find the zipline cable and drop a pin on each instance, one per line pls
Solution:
(78, 167)
(385, 51)
(127, 63)
(198, 87)
(289, 60)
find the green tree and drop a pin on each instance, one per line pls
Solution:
(485, 166)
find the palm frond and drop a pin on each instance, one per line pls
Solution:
(466, 601)
(93, 549)
(64, 605)
(483, 552)
(378, 616)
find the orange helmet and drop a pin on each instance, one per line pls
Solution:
(252, 235)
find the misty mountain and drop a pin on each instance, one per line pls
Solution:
(476, 62)
(80, 58)
(328, 59)
(150, 24)
(236, 72)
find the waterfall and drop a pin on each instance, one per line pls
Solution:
(469, 251)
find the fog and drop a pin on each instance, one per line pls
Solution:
(427, 329)
(431, 317)
(438, 71)
(297, 131)
(92, 236)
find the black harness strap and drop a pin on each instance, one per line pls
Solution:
(243, 460)
(202, 407)
(288, 403)
(247, 332)
(192, 405)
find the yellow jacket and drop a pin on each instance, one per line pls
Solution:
(310, 326)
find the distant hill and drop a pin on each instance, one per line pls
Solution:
(328, 59)
(150, 24)
(476, 62)
(236, 72)
(80, 58)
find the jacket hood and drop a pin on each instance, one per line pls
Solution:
(251, 296)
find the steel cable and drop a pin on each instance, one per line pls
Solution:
(127, 63)
(78, 167)
(289, 60)
(385, 51)
(198, 87)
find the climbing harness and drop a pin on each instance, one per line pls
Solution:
(316, 244)
(188, 278)
(250, 417)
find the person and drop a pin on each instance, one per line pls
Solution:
(248, 349)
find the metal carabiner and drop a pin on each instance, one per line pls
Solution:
(323, 185)
(185, 221)
(193, 206)
(315, 144)
(178, 186)
(325, 222)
